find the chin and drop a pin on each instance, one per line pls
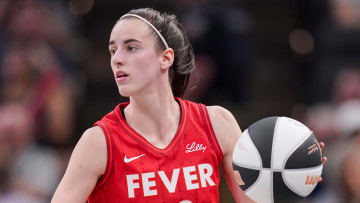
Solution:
(132, 90)
(126, 92)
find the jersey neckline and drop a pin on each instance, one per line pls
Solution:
(146, 144)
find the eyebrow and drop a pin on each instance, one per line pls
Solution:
(111, 42)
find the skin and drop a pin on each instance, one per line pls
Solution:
(133, 50)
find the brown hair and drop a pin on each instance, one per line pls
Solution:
(173, 32)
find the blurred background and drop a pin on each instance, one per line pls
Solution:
(295, 58)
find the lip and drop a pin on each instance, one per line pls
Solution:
(122, 78)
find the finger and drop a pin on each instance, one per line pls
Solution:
(322, 145)
(324, 159)
(320, 179)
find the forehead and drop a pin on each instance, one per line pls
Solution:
(130, 28)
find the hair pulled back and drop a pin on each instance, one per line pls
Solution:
(173, 32)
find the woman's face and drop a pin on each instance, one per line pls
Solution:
(135, 58)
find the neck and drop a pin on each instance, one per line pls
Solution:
(155, 116)
(156, 103)
(154, 106)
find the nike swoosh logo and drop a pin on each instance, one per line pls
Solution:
(128, 160)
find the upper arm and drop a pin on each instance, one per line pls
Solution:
(86, 165)
(225, 127)
(227, 132)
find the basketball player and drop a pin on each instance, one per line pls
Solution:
(157, 147)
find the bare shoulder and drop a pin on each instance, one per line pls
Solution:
(94, 135)
(225, 127)
(222, 120)
(220, 114)
(92, 146)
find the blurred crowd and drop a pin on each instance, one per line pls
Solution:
(55, 80)
(334, 116)
(37, 97)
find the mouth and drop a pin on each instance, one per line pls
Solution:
(121, 75)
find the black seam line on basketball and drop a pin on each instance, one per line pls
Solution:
(294, 149)
(279, 170)
(277, 123)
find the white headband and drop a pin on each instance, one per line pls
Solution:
(147, 22)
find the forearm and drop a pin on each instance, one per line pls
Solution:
(238, 194)
(73, 190)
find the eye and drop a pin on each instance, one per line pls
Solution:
(131, 48)
(112, 52)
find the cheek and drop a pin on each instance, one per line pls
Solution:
(147, 66)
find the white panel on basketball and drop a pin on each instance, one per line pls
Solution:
(300, 180)
(245, 153)
(261, 191)
(282, 145)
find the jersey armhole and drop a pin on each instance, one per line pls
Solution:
(210, 131)
(103, 179)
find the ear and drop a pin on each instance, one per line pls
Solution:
(167, 58)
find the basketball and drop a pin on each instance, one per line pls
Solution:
(277, 159)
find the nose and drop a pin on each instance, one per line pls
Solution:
(117, 59)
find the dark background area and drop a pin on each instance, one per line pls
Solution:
(294, 58)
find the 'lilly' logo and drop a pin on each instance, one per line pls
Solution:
(195, 147)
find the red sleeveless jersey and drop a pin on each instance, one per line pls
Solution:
(187, 170)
